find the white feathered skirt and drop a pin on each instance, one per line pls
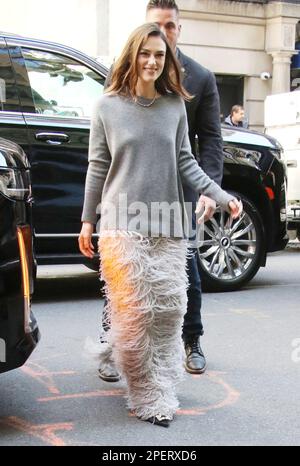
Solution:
(146, 285)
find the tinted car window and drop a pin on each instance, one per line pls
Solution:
(9, 100)
(61, 86)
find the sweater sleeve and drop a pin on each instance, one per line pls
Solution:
(192, 175)
(99, 163)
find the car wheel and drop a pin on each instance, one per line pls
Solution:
(232, 250)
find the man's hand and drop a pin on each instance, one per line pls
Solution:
(209, 206)
(85, 240)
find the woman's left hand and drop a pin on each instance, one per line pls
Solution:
(236, 208)
(207, 206)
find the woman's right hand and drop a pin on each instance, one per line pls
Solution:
(85, 240)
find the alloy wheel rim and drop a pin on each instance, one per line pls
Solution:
(229, 246)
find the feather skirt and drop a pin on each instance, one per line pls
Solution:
(145, 283)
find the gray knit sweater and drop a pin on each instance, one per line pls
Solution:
(138, 158)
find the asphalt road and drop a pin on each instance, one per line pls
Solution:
(248, 396)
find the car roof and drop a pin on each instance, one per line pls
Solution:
(30, 41)
(6, 34)
(11, 35)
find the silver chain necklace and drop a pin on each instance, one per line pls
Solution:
(145, 105)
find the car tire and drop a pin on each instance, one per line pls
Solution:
(232, 250)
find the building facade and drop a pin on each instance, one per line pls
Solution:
(249, 46)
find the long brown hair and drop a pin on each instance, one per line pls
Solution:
(125, 71)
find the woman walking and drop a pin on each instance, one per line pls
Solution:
(139, 154)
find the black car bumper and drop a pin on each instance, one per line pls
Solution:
(16, 344)
(19, 333)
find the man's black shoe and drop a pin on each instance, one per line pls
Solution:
(109, 375)
(195, 362)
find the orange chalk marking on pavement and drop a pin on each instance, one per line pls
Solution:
(45, 432)
(40, 374)
(231, 398)
(43, 376)
(98, 393)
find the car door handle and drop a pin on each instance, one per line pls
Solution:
(52, 138)
(292, 163)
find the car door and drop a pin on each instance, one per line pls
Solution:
(57, 110)
(12, 123)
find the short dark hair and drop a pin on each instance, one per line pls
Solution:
(235, 109)
(163, 4)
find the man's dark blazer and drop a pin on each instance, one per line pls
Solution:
(203, 113)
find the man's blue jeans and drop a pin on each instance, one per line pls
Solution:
(192, 325)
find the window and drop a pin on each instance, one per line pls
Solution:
(9, 100)
(231, 91)
(61, 86)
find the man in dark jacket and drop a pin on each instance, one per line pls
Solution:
(203, 113)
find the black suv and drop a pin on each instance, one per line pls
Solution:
(19, 333)
(47, 91)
